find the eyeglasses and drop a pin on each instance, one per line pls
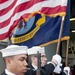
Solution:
(43, 56)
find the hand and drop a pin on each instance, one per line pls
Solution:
(56, 59)
(67, 70)
(58, 68)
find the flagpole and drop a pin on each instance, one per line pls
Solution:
(67, 53)
(60, 35)
(59, 41)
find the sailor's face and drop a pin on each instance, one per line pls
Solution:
(43, 59)
(19, 64)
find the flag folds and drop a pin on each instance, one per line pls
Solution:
(12, 11)
(40, 31)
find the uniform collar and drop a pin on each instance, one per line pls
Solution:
(8, 73)
(35, 67)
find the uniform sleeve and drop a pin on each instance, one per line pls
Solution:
(48, 69)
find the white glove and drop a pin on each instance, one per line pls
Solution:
(58, 69)
(57, 58)
(67, 70)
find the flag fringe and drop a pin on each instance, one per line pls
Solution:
(55, 41)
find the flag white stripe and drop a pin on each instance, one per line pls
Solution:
(53, 3)
(6, 4)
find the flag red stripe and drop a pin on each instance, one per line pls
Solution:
(2, 1)
(55, 10)
(4, 11)
(5, 23)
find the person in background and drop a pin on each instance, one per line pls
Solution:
(46, 68)
(15, 59)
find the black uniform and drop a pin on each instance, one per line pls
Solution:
(4, 73)
(62, 73)
(46, 70)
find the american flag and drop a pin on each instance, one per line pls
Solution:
(12, 11)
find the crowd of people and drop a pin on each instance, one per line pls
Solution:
(21, 60)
